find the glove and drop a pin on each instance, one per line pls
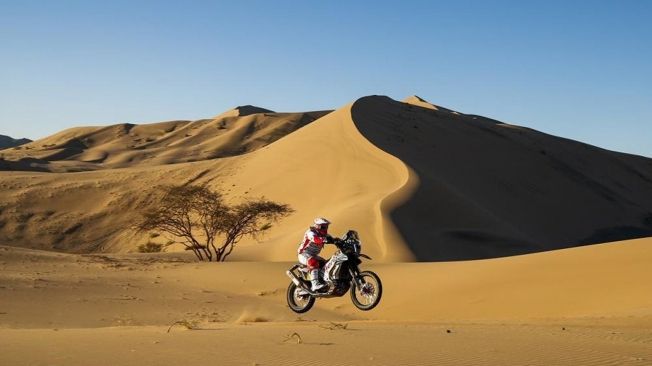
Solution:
(333, 240)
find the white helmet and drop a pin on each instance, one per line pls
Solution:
(321, 225)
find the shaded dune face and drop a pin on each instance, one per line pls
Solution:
(488, 189)
(6, 142)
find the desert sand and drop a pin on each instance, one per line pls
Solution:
(497, 244)
(582, 306)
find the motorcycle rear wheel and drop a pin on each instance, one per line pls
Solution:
(298, 303)
(367, 297)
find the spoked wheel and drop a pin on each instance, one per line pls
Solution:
(297, 302)
(367, 296)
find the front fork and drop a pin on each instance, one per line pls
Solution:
(355, 275)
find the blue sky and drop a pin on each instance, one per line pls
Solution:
(581, 70)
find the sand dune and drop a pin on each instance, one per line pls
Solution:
(598, 282)
(234, 132)
(243, 110)
(417, 183)
(326, 168)
(7, 142)
(490, 189)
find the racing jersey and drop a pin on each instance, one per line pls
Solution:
(312, 243)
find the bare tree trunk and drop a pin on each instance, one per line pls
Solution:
(212, 245)
(194, 250)
(230, 246)
(218, 254)
(198, 253)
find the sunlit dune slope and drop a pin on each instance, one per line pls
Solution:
(420, 102)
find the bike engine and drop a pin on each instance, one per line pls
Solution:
(340, 287)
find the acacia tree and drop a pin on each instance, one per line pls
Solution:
(206, 225)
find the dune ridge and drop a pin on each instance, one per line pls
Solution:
(328, 168)
(243, 110)
(420, 102)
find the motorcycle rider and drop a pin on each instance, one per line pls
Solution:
(313, 242)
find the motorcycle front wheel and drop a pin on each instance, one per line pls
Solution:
(297, 302)
(368, 295)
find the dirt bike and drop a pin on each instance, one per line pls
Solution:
(340, 273)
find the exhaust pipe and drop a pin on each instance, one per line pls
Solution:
(300, 283)
(294, 279)
(297, 281)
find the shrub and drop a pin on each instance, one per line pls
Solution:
(150, 247)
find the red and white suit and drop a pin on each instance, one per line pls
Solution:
(309, 249)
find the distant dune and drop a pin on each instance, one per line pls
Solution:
(6, 142)
(418, 181)
(243, 110)
(240, 130)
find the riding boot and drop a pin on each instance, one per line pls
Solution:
(316, 283)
